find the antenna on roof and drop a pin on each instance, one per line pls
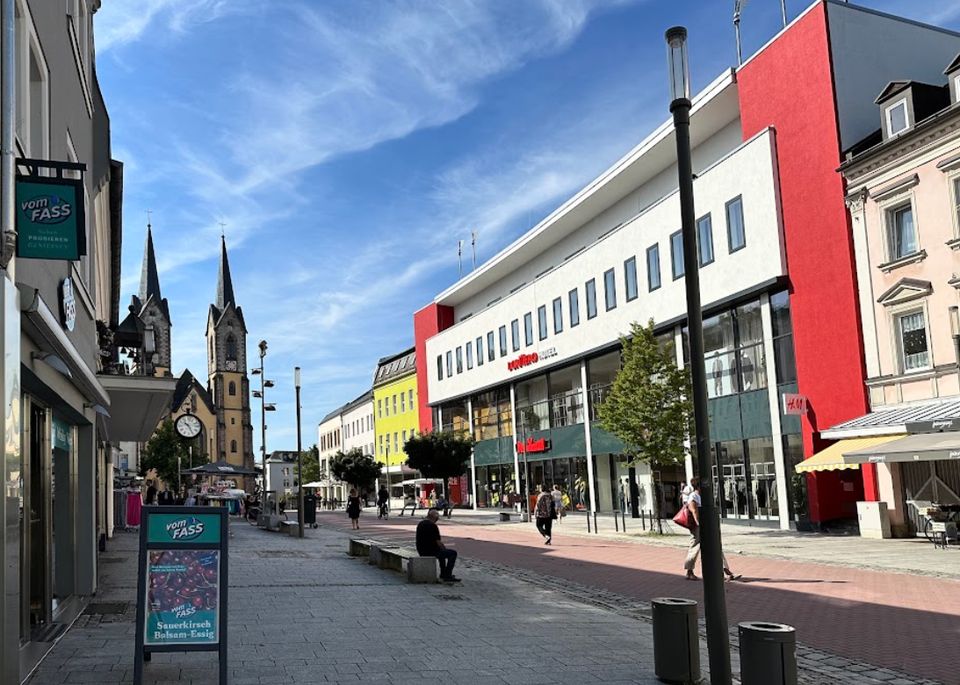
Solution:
(460, 259)
(473, 244)
(149, 216)
(738, 5)
(222, 232)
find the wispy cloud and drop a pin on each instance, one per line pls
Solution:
(126, 21)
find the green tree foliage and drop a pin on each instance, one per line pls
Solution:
(161, 452)
(649, 407)
(355, 468)
(442, 455)
(311, 466)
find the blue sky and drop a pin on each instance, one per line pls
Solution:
(348, 144)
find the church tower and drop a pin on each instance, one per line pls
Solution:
(227, 372)
(152, 309)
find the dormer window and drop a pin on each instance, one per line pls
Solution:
(897, 119)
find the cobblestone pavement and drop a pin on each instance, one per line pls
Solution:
(893, 623)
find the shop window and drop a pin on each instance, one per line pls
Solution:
(591, 289)
(901, 232)
(469, 355)
(528, 329)
(574, 302)
(610, 289)
(736, 232)
(491, 351)
(515, 334)
(557, 315)
(630, 278)
(542, 322)
(653, 267)
(705, 240)
(911, 331)
(676, 254)
(480, 351)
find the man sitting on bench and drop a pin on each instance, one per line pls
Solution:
(430, 545)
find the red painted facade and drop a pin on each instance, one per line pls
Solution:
(427, 323)
(789, 86)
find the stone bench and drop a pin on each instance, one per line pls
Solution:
(505, 515)
(291, 528)
(359, 548)
(418, 569)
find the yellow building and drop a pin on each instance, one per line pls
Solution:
(395, 413)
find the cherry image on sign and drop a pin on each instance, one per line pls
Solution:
(182, 596)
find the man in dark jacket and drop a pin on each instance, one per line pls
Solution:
(429, 544)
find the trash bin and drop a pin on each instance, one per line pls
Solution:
(310, 510)
(768, 653)
(676, 642)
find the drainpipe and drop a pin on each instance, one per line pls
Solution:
(8, 124)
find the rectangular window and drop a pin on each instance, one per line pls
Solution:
(610, 289)
(956, 200)
(395, 404)
(653, 267)
(897, 118)
(574, 299)
(403, 437)
(736, 232)
(410, 396)
(528, 328)
(676, 254)
(912, 331)
(449, 363)
(439, 367)
(396, 442)
(491, 351)
(542, 322)
(480, 351)
(403, 403)
(705, 239)
(515, 334)
(591, 288)
(630, 278)
(503, 341)
(558, 315)
(380, 447)
(901, 233)
(469, 355)
(459, 360)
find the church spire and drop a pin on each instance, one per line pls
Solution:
(149, 279)
(224, 282)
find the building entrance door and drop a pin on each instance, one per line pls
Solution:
(37, 527)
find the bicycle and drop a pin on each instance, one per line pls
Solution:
(383, 510)
(936, 522)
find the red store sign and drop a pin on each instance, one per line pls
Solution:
(531, 446)
(523, 360)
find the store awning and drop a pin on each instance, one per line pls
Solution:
(916, 447)
(136, 405)
(832, 459)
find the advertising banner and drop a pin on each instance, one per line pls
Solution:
(50, 218)
(182, 597)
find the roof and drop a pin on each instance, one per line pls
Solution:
(395, 366)
(892, 421)
(225, 294)
(892, 89)
(953, 66)
(335, 413)
(185, 384)
(353, 404)
(283, 456)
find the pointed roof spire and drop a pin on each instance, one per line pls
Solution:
(149, 279)
(224, 282)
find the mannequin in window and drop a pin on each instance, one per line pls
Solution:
(746, 370)
(717, 372)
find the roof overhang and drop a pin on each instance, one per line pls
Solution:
(137, 404)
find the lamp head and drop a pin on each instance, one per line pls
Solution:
(296, 377)
(263, 348)
(676, 37)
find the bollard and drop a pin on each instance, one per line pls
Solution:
(623, 520)
(676, 641)
(616, 522)
(588, 523)
(643, 520)
(768, 653)
(595, 529)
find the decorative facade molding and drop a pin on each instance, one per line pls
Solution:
(905, 290)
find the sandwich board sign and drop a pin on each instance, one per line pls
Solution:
(182, 583)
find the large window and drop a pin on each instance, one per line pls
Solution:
(491, 350)
(528, 329)
(733, 351)
(469, 355)
(676, 254)
(503, 341)
(630, 278)
(653, 267)
(591, 289)
(557, 315)
(480, 351)
(705, 239)
(610, 289)
(574, 308)
(491, 415)
(515, 334)
(542, 322)
(783, 337)
(912, 338)
(736, 233)
(901, 233)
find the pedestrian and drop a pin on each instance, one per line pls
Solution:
(353, 509)
(151, 497)
(429, 544)
(557, 495)
(383, 500)
(693, 503)
(545, 512)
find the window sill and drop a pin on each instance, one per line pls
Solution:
(953, 244)
(918, 256)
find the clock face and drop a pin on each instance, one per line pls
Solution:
(188, 426)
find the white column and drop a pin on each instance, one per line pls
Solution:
(473, 460)
(513, 440)
(780, 468)
(688, 452)
(588, 442)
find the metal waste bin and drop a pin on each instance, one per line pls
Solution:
(676, 641)
(310, 510)
(768, 653)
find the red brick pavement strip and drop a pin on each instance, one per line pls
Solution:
(892, 620)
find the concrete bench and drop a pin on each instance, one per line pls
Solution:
(291, 528)
(359, 548)
(505, 515)
(419, 569)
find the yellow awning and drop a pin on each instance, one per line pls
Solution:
(831, 458)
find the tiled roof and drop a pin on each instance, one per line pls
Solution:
(395, 366)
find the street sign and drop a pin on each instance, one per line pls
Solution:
(794, 403)
(50, 218)
(182, 584)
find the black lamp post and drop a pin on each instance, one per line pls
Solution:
(715, 609)
(296, 385)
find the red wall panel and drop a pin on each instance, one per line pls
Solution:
(427, 323)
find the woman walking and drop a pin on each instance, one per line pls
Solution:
(693, 503)
(353, 509)
(545, 512)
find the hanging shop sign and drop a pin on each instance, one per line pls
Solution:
(61, 434)
(794, 403)
(532, 446)
(68, 304)
(182, 584)
(50, 218)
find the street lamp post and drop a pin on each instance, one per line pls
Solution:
(263, 428)
(715, 609)
(296, 384)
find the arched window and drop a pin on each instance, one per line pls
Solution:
(232, 388)
(233, 446)
(231, 347)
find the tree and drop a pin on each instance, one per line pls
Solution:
(649, 406)
(161, 453)
(442, 455)
(311, 466)
(355, 468)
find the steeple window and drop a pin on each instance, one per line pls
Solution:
(231, 347)
(232, 389)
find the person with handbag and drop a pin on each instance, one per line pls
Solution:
(545, 512)
(689, 517)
